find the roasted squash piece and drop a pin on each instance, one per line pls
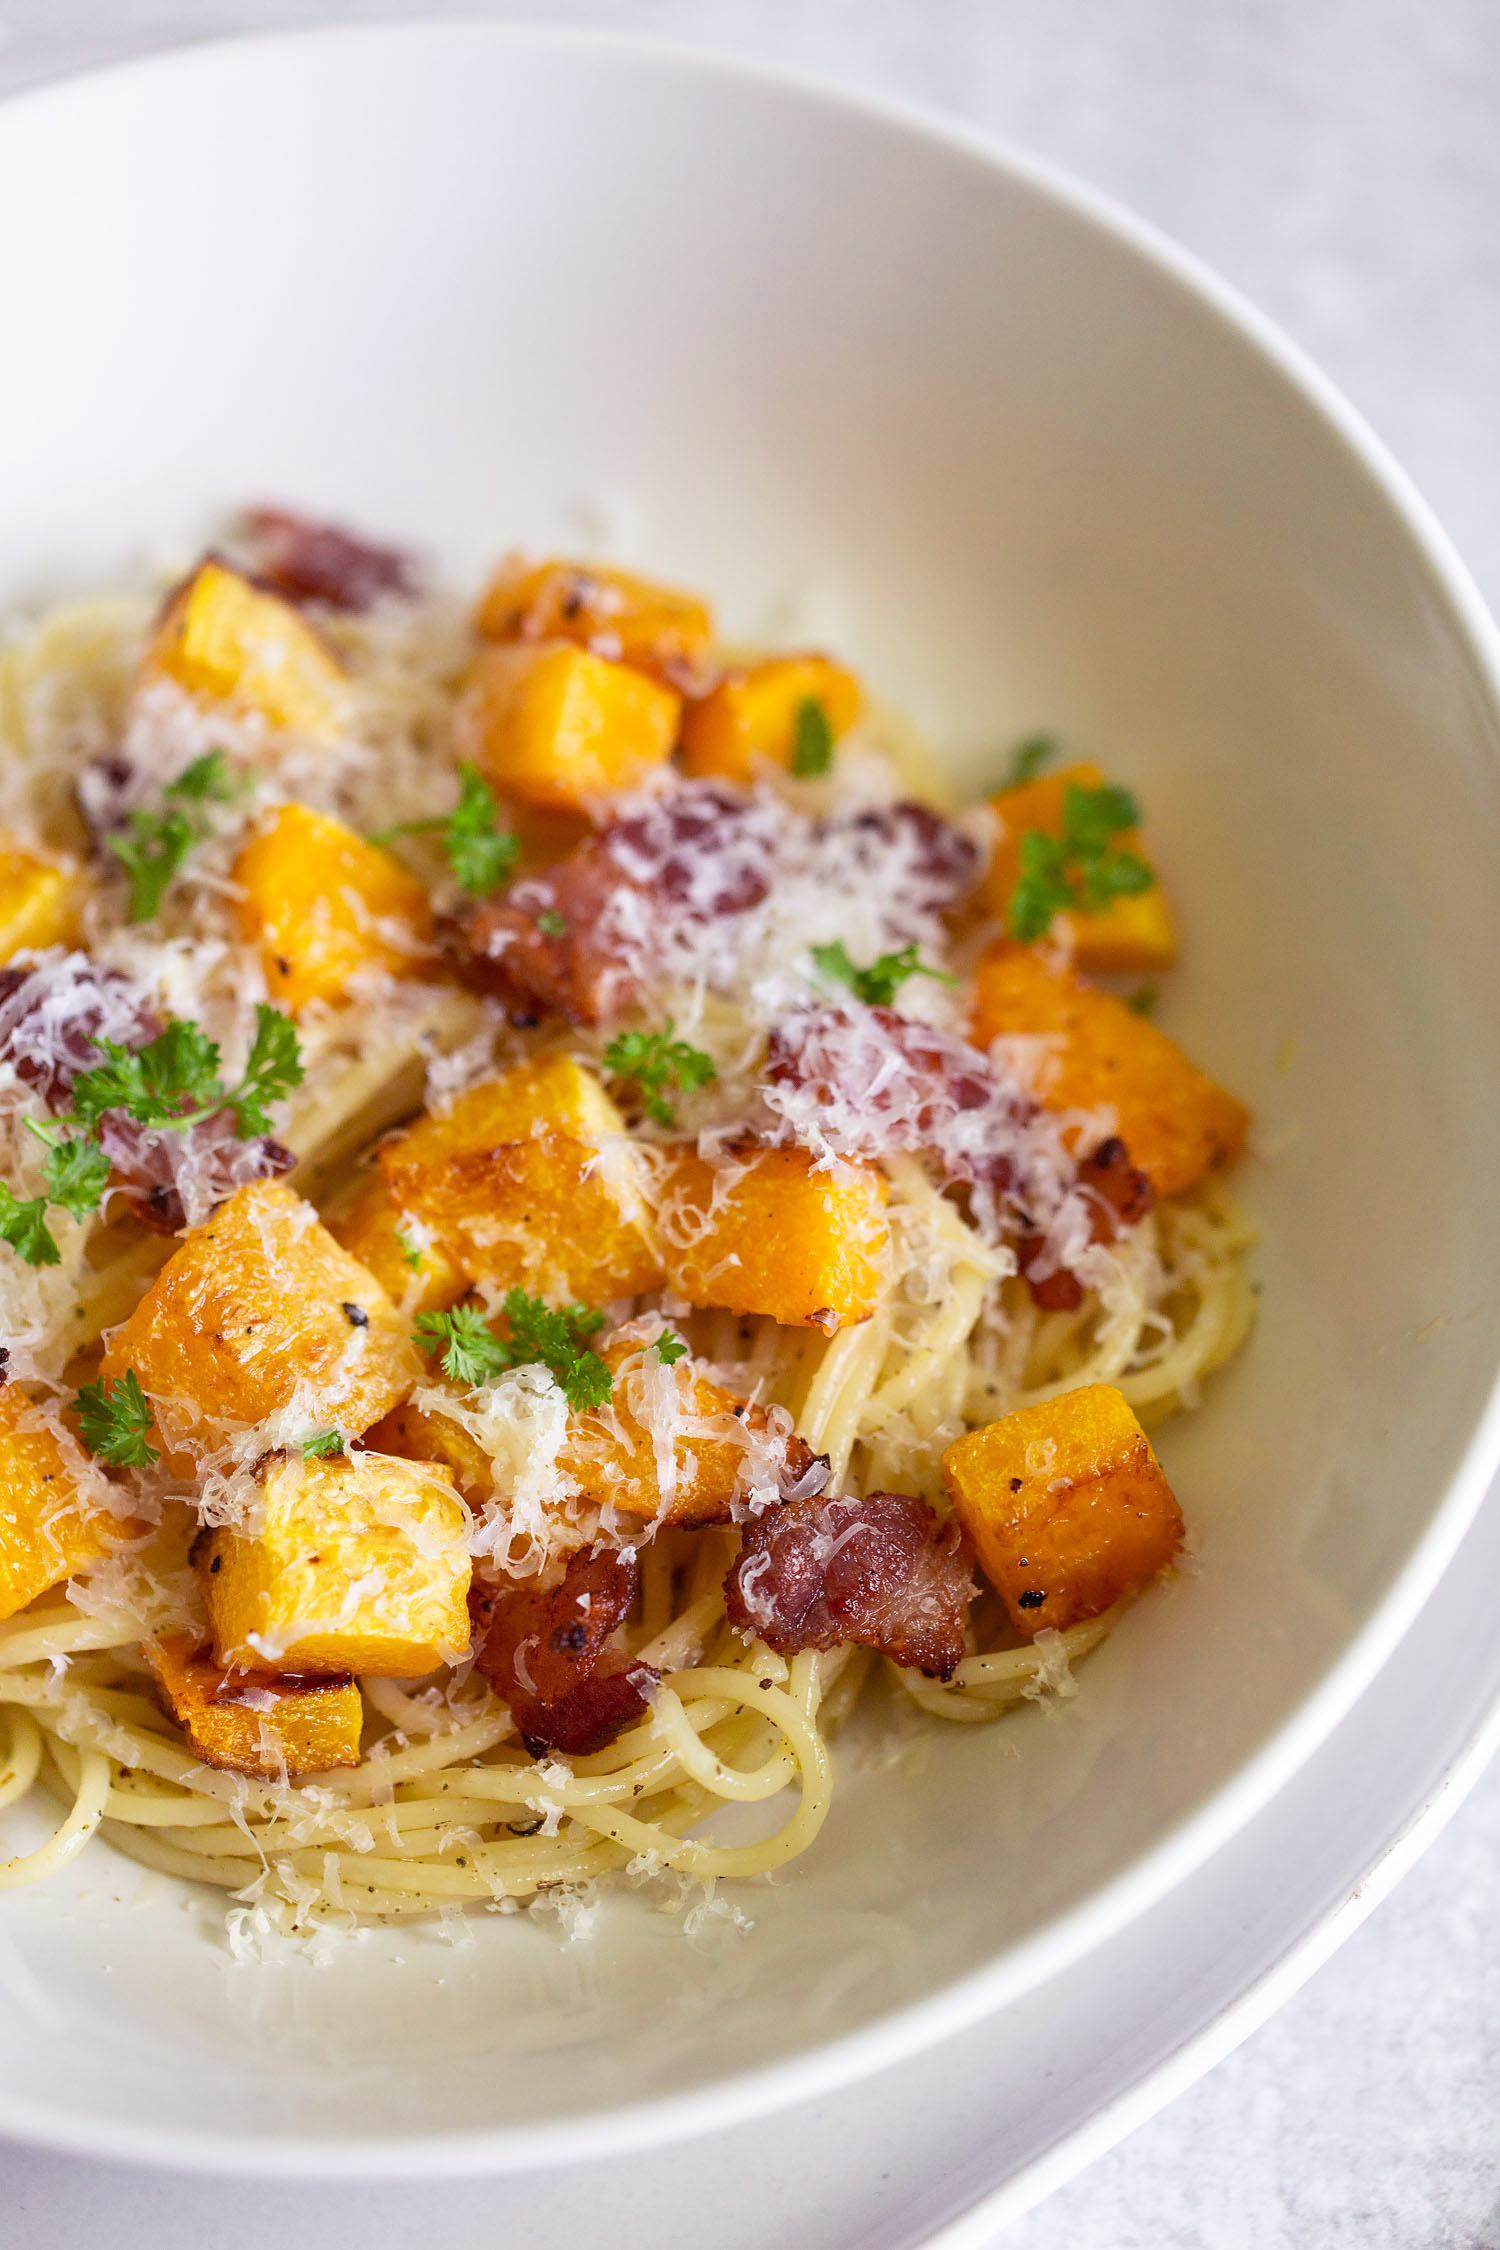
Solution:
(750, 718)
(255, 1722)
(1100, 1055)
(1130, 935)
(412, 1268)
(226, 641)
(554, 725)
(531, 1180)
(1066, 1505)
(41, 900)
(610, 612)
(359, 1564)
(323, 904)
(416, 1433)
(771, 1232)
(55, 1515)
(257, 1310)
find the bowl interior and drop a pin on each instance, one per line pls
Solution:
(865, 385)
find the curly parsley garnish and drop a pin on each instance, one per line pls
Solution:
(170, 1084)
(539, 1337)
(652, 1061)
(1081, 869)
(325, 1446)
(1028, 759)
(669, 1348)
(877, 985)
(480, 853)
(812, 740)
(157, 842)
(113, 1419)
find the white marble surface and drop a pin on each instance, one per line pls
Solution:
(1340, 161)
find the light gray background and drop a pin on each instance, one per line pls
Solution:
(1340, 161)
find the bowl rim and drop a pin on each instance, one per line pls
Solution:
(1184, 1847)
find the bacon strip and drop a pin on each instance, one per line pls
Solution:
(319, 562)
(544, 1650)
(1121, 1197)
(882, 1571)
(51, 1021)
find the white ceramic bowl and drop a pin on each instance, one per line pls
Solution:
(1025, 465)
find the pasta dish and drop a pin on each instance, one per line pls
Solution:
(564, 1217)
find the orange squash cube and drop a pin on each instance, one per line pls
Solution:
(225, 640)
(554, 725)
(41, 900)
(1066, 1505)
(322, 905)
(412, 1268)
(750, 718)
(1100, 1055)
(1129, 936)
(770, 1232)
(417, 1433)
(259, 1308)
(612, 613)
(531, 1180)
(255, 1722)
(359, 1564)
(55, 1513)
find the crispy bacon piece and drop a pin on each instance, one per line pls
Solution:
(319, 562)
(885, 1082)
(1121, 1197)
(942, 862)
(51, 1022)
(544, 1650)
(883, 1571)
(562, 943)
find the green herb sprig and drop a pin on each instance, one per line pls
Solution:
(1028, 759)
(157, 841)
(326, 1445)
(481, 855)
(877, 985)
(812, 740)
(473, 1354)
(1082, 869)
(653, 1061)
(113, 1419)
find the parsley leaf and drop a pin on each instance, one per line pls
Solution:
(812, 740)
(877, 985)
(77, 1174)
(480, 853)
(1143, 1000)
(411, 1252)
(669, 1348)
(1082, 868)
(24, 1227)
(272, 1068)
(324, 1447)
(113, 1419)
(652, 1061)
(1028, 759)
(551, 923)
(152, 855)
(474, 1354)
(151, 1083)
(208, 780)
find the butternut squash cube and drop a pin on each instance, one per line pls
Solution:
(55, 1516)
(416, 1433)
(323, 904)
(412, 1268)
(771, 1233)
(554, 725)
(227, 641)
(257, 1312)
(531, 1180)
(1129, 936)
(1066, 1505)
(612, 613)
(255, 1722)
(750, 718)
(671, 1446)
(1175, 1122)
(41, 900)
(360, 1564)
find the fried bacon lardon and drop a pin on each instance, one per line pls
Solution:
(544, 1650)
(319, 562)
(51, 1022)
(1121, 1197)
(942, 862)
(883, 1571)
(563, 943)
